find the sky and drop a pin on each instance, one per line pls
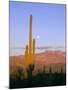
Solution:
(48, 24)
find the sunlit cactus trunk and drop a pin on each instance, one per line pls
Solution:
(30, 39)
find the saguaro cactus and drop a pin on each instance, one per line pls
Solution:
(30, 69)
(30, 48)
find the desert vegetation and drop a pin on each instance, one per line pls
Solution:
(46, 71)
(23, 79)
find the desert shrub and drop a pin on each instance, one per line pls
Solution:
(19, 72)
(50, 70)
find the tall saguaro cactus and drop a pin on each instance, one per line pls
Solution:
(30, 48)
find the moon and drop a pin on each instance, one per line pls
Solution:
(38, 36)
